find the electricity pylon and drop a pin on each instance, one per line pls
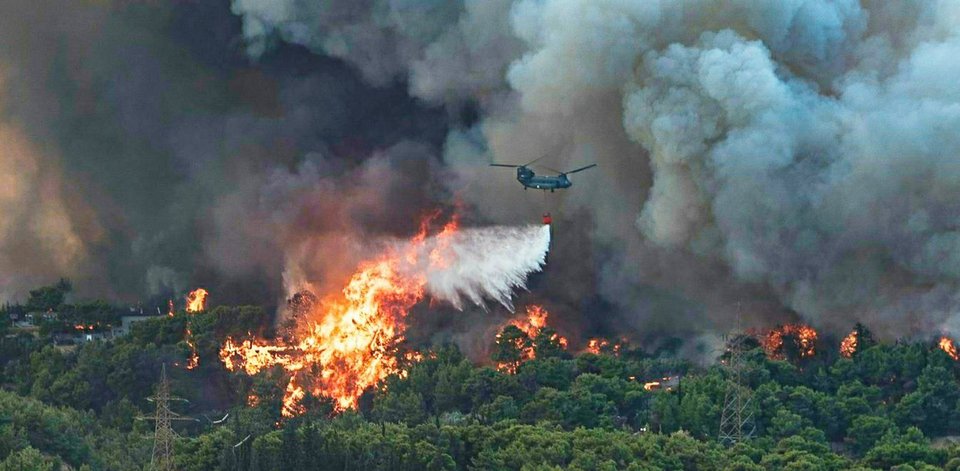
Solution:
(736, 419)
(162, 459)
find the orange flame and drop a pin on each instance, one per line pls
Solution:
(594, 345)
(848, 346)
(195, 303)
(352, 338)
(531, 325)
(806, 339)
(193, 360)
(170, 310)
(666, 383)
(597, 346)
(946, 344)
(535, 321)
(291, 399)
(197, 300)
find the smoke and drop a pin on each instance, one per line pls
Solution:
(793, 157)
(146, 154)
(35, 208)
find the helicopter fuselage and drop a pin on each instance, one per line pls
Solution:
(529, 179)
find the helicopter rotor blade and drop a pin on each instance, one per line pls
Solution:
(580, 169)
(535, 160)
(505, 165)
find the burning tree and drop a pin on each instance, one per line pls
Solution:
(790, 341)
(599, 346)
(527, 338)
(343, 343)
(354, 343)
(946, 344)
(857, 340)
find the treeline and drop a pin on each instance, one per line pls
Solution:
(53, 314)
(889, 405)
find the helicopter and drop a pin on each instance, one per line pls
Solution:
(529, 179)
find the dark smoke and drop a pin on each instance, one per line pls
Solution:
(147, 155)
(792, 157)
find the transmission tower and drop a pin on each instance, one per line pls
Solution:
(736, 419)
(162, 459)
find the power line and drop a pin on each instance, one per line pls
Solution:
(162, 459)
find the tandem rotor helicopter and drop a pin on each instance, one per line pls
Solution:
(529, 179)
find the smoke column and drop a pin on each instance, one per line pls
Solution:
(793, 155)
(796, 156)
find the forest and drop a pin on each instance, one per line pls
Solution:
(889, 405)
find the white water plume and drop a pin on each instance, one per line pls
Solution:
(485, 263)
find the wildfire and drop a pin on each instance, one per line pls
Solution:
(804, 335)
(348, 342)
(667, 383)
(170, 310)
(946, 344)
(848, 346)
(534, 321)
(193, 360)
(197, 300)
(598, 346)
(291, 399)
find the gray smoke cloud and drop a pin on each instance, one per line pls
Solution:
(143, 154)
(793, 155)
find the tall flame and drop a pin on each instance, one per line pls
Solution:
(352, 338)
(193, 360)
(346, 342)
(946, 344)
(197, 300)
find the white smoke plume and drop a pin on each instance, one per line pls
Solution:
(480, 263)
(797, 151)
(795, 155)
